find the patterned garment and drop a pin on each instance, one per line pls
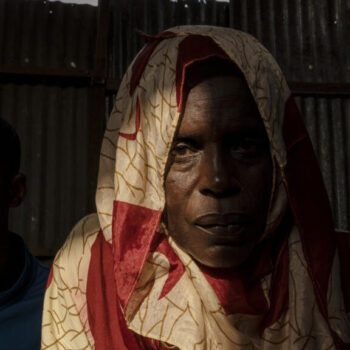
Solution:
(120, 282)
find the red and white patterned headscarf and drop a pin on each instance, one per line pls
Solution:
(120, 282)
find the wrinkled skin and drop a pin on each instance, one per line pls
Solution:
(219, 174)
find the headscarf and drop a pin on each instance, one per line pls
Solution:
(291, 299)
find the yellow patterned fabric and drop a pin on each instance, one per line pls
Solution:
(65, 322)
(189, 316)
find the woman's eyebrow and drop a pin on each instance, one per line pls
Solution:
(258, 131)
(188, 135)
(255, 132)
(194, 141)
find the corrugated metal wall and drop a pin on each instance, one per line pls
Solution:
(309, 39)
(52, 116)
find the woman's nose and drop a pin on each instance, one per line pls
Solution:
(216, 175)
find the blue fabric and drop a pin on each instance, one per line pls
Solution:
(21, 307)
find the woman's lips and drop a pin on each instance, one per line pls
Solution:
(225, 229)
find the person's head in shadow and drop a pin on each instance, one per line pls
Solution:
(12, 193)
(22, 277)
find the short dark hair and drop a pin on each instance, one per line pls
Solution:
(10, 150)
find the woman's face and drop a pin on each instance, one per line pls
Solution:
(219, 174)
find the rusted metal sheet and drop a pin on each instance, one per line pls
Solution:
(53, 35)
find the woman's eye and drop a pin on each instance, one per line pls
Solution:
(182, 152)
(247, 147)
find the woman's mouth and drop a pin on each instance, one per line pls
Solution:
(226, 229)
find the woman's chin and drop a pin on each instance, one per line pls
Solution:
(223, 256)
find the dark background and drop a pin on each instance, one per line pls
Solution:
(61, 64)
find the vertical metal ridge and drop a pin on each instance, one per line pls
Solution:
(35, 31)
(202, 10)
(346, 191)
(325, 145)
(244, 14)
(340, 163)
(297, 37)
(215, 18)
(311, 48)
(323, 41)
(3, 34)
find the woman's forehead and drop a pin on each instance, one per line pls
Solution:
(220, 105)
(220, 87)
